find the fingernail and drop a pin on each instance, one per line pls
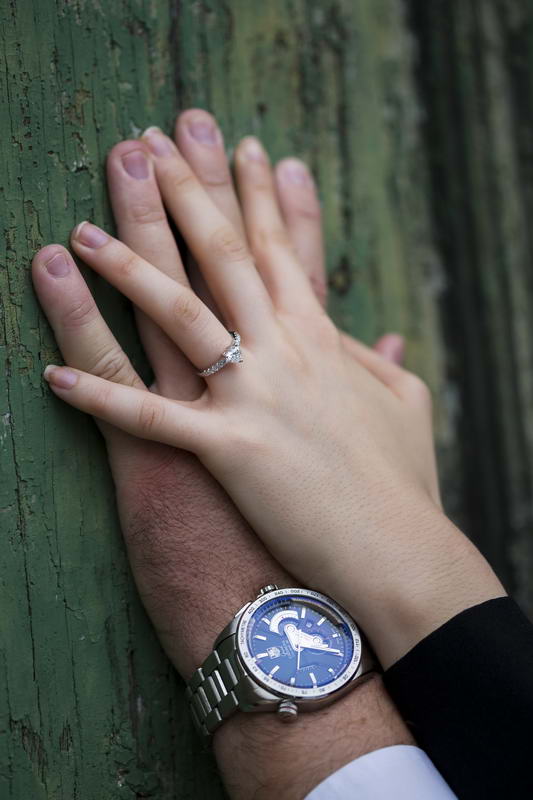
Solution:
(203, 130)
(89, 235)
(294, 172)
(254, 150)
(62, 377)
(159, 144)
(58, 265)
(136, 164)
(151, 129)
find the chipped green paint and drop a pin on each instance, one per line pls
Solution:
(89, 706)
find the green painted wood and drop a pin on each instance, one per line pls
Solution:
(89, 706)
(476, 78)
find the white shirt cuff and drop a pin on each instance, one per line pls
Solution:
(402, 771)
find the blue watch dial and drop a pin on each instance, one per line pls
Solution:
(302, 642)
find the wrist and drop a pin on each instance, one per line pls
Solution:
(410, 577)
(259, 756)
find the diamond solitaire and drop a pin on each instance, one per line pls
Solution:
(231, 355)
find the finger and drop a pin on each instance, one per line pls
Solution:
(81, 332)
(403, 384)
(269, 239)
(140, 413)
(220, 251)
(301, 211)
(175, 308)
(200, 141)
(392, 347)
(138, 208)
(143, 226)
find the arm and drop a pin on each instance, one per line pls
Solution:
(398, 564)
(474, 696)
(308, 406)
(184, 536)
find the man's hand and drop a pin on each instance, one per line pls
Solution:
(194, 558)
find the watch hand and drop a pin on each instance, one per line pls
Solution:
(323, 649)
(309, 644)
(299, 651)
(290, 630)
(311, 640)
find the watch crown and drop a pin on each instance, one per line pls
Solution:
(287, 711)
(270, 588)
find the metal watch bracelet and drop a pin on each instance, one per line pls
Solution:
(213, 691)
(222, 685)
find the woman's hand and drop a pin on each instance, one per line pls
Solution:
(171, 509)
(323, 445)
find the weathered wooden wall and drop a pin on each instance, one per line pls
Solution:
(475, 71)
(427, 230)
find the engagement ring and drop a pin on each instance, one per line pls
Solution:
(231, 354)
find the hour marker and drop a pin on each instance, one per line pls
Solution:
(274, 670)
(331, 670)
(261, 655)
(260, 637)
(321, 620)
(266, 619)
(302, 615)
(293, 681)
(312, 676)
(335, 635)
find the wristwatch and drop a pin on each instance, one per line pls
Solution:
(289, 650)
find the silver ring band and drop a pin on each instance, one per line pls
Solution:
(231, 355)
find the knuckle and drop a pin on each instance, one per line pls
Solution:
(150, 416)
(225, 243)
(215, 178)
(261, 180)
(82, 313)
(101, 401)
(146, 214)
(186, 309)
(113, 365)
(310, 212)
(266, 239)
(184, 180)
(415, 389)
(126, 263)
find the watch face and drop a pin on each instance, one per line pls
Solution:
(299, 643)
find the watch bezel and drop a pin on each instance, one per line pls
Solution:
(281, 689)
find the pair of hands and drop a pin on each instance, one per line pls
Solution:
(177, 522)
(324, 446)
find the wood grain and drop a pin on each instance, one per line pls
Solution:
(417, 124)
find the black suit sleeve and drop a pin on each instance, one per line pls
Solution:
(466, 692)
